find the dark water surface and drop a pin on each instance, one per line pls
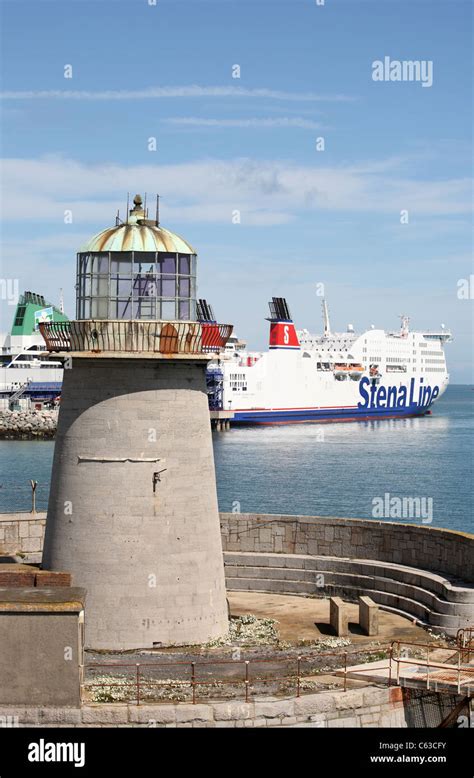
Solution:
(315, 469)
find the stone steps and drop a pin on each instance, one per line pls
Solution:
(429, 598)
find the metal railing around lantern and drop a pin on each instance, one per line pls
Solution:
(161, 337)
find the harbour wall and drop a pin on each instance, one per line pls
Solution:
(443, 551)
(25, 424)
(420, 572)
(368, 707)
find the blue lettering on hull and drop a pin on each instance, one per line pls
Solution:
(375, 397)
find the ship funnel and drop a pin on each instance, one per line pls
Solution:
(282, 330)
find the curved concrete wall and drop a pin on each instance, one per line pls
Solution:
(348, 557)
(149, 555)
(440, 550)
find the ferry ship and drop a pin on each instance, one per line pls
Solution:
(26, 373)
(330, 377)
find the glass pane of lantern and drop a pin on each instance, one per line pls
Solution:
(103, 264)
(120, 286)
(168, 286)
(121, 262)
(184, 287)
(145, 308)
(184, 264)
(100, 286)
(168, 264)
(124, 309)
(99, 308)
(168, 310)
(83, 263)
(144, 257)
(184, 309)
(144, 285)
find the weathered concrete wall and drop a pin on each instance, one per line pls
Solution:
(289, 554)
(149, 555)
(440, 550)
(41, 646)
(22, 533)
(368, 707)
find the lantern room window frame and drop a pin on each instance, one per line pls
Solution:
(136, 285)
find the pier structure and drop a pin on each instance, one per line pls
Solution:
(220, 420)
(133, 509)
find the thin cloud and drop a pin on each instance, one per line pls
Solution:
(154, 92)
(195, 121)
(265, 191)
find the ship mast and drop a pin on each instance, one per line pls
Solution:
(405, 325)
(327, 326)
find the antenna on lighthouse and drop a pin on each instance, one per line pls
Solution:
(61, 301)
(157, 210)
(327, 326)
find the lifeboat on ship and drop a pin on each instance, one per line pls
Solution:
(341, 371)
(356, 371)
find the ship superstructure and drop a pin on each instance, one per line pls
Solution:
(25, 371)
(333, 376)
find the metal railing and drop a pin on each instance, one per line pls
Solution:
(434, 674)
(17, 394)
(465, 640)
(289, 674)
(113, 335)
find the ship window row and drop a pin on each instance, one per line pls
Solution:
(434, 370)
(396, 368)
(431, 353)
(434, 361)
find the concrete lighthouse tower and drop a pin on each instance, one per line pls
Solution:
(133, 508)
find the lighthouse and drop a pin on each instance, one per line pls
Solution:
(133, 509)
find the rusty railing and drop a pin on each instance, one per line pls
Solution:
(190, 677)
(449, 674)
(465, 640)
(112, 335)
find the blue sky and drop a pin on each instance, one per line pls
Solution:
(249, 144)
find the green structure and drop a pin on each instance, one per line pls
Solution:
(30, 310)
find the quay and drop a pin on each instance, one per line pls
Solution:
(220, 420)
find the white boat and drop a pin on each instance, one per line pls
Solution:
(26, 373)
(333, 376)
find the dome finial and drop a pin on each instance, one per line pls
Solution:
(138, 202)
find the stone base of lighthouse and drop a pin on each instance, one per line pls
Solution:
(133, 507)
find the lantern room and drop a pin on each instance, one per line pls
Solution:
(136, 270)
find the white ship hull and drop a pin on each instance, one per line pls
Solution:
(334, 377)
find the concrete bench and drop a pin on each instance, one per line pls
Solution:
(338, 616)
(368, 616)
